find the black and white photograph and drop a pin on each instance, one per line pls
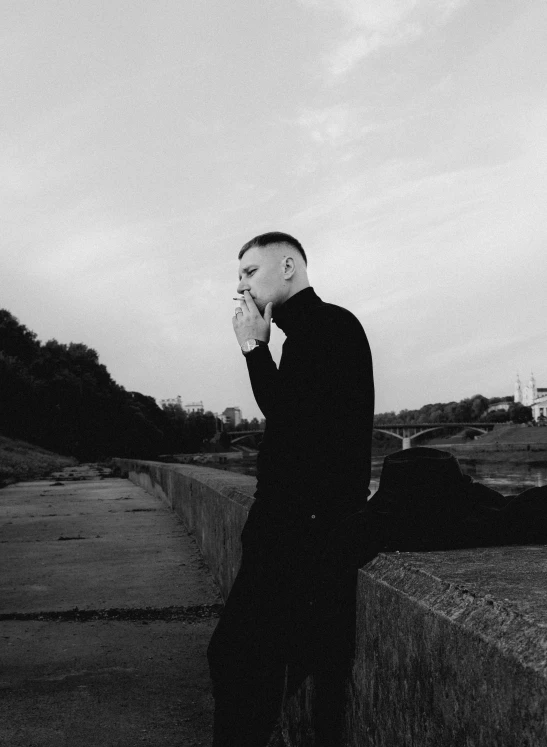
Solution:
(273, 373)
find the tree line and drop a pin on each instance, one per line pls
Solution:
(469, 410)
(250, 425)
(62, 398)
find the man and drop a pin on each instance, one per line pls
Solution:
(291, 610)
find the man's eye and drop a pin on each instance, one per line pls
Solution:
(251, 272)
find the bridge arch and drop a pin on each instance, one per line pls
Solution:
(253, 437)
(408, 432)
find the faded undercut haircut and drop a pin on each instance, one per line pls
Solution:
(274, 237)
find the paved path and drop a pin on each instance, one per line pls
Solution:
(106, 609)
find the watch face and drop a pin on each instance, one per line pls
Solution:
(249, 345)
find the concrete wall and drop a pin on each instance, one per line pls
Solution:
(452, 650)
(451, 646)
(486, 448)
(212, 503)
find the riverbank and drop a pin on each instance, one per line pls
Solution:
(466, 453)
(536, 457)
(20, 460)
(517, 444)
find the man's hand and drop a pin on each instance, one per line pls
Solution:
(248, 321)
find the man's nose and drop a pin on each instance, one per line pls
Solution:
(242, 287)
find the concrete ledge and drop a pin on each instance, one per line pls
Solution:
(495, 446)
(451, 646)
(213, 504)
(452, 649)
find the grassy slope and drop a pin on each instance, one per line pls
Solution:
(515, 435)
(23, 461)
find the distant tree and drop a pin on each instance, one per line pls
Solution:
(225, 440)
(200, 429)
(175, 422)
(382, 418)
(479, 405)
(470, 409)
(17, 394)
(519, 413)
(497, 416)
(243, 425)
(187, 432)
(61, 397)
(405, 416)
(15, 339)
(173, 405)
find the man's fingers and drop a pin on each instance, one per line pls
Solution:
(268, 312)
(249, 300)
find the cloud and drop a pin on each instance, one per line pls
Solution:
(329, 125)
(333, 138)
(355, 49)
(384, 15)
(374, 24)
(372, 14)
(478, 347)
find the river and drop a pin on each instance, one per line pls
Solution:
(508, 479)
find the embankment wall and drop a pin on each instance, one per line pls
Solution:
(517, 453)
(493, 447)
(451, 646)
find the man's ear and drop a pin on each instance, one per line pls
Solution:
(289, 267)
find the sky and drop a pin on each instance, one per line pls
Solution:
(403, 142)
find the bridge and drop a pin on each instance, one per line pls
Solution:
(252, 436)
(407, 432)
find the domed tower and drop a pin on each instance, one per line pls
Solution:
(532, 390)
(529, 393)
(518, 390)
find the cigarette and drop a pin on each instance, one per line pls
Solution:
(239, 299)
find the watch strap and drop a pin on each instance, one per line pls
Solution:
(251, 344)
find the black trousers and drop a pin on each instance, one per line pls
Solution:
(287, 617)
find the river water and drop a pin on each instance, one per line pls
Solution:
(508, 479)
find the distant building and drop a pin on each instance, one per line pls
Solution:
(232, 416)
(539, 408)
(532, 396)
(194, 407)
(497, 406)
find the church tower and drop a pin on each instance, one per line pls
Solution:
(518, 390)
(532, 389)
(530, 392)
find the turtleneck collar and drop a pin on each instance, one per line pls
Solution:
(290, 315)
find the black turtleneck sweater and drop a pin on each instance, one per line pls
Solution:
(319, 407)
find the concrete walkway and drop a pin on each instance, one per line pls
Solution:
(106, 609)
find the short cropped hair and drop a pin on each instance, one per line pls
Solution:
(273, 237)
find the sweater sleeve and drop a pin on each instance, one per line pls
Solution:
(264, 377)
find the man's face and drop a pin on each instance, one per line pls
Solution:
(261, 273)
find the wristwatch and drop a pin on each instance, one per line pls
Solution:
(251, 344)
